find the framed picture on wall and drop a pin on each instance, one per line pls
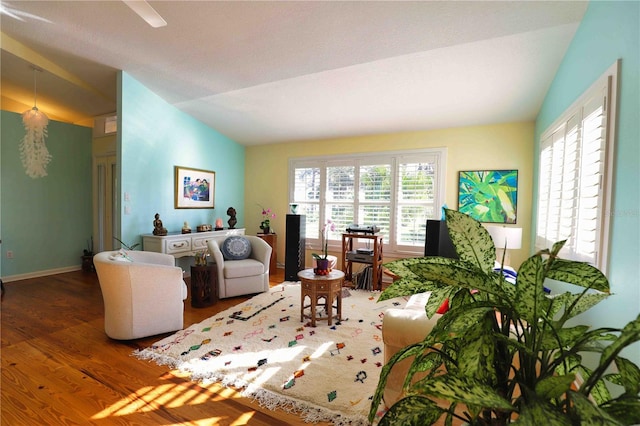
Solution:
(489, 195)
(195, 188)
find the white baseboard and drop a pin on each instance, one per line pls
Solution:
(38, 274)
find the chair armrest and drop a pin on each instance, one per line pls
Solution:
(214, 251)
(402, 327)
(151, 257)
(260, 251)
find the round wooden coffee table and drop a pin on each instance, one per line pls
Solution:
(315, 287)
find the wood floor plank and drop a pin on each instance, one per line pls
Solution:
(59, 368)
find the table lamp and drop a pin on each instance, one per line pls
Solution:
(505, 238)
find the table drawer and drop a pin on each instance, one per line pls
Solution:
(199, 243)
(178, 245)
(320, 286)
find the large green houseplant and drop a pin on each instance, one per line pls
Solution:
(507, 353)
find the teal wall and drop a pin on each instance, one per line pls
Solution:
(46, 222)
(153, 138)
(609, 31)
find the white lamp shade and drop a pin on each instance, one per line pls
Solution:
(505, 238)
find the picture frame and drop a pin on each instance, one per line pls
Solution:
(489, 196)
(194, 188)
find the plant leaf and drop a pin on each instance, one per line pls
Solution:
(581, 303)
(472, 241)
(564, 337)
(554, 386)
(412, 411)
(466, 390)
(541, 413)
(626, 410)
(629, 375)
(578, 273)
(590, 414)
(530, 301)
(630, 334)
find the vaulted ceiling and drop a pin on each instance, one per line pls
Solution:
(271, 71)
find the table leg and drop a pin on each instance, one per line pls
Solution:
(329, 306)
(313, 311)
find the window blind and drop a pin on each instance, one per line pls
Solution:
(395, 191)
(574, 162)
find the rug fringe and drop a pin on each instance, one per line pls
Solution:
(310, 413)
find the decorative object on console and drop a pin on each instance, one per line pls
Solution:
(489, 195)
(205, 227)
(294, 208)
(218, 224)
(158, 229)
(194, 188)
(231, 212)
(186, 229)
(33, 151)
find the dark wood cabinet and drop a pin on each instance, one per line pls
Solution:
(295, 243)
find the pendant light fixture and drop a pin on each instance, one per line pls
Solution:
(33, 151)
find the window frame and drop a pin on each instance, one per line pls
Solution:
(608, 84)
(394, 158)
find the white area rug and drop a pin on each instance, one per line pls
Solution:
(326, 373)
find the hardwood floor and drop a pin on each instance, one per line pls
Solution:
(59, 367)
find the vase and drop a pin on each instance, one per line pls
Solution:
(266, 230)
(322, 267)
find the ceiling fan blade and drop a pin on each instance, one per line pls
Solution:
(146, 12)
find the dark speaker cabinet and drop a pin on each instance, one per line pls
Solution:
(294, 249)
(437, 241)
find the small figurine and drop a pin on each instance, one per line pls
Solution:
(186, 229)
(158, 229)
(232, 220)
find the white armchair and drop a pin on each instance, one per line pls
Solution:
(244, 276)
(401, 328)
(143, 293)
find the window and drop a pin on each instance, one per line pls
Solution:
(395, 191)
(575, 173)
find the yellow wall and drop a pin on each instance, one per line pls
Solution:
(504, 146)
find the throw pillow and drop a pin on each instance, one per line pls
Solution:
(236, 248)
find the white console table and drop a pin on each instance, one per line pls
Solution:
(179, 245)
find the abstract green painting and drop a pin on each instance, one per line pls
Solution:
(489, 195)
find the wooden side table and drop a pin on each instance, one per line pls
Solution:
(327, 287)
(204, 285)
(272, 240)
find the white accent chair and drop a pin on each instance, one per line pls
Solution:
(401, 328)
(245, 276)
(143, 293)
